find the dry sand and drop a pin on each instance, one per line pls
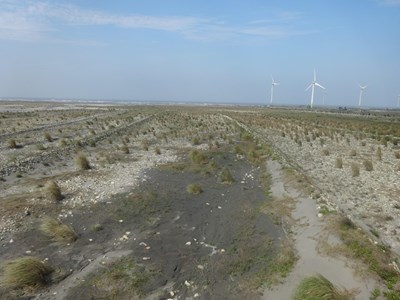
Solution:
(308, 231)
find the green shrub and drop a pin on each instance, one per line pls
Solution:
(319, 288)
(157, 150)
(194, 188)
(82, 162)
(53, 191)
(25, 272)
(58, 231)
(325, 152)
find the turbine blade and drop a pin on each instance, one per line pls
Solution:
(309, 86)
(317, 84)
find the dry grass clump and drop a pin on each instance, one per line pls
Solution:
(397, 154)
(318, 287)
(58, 231)
(339, 163)
(12, 144)
(355, 170)
(96, 227)
(124, 149)
(368, 165)
(353, 153)
(196, 141)
(325, 152)
(379, 153)
(144, 145)
(194, 189)
(197, 157)
(53, 191)
(157, 150)
(25, 272)
(48, 137)
(82, 162)
(62, 143)
(225, 176)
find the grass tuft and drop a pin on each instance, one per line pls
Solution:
(368, 165)
(124, 149)
(82, 162)
(194, 189)
(96, 227)
(48, 137)
(58, 231)
(197, 157)
(318, 287)
(325, 152)
(53, 191)
(12, 144)
(355, 170)
(339, 163)
(226, 176)
(25, 271)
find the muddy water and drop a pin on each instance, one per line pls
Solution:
(307, 232)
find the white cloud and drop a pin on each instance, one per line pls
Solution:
(32, 20)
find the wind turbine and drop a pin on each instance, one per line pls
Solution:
(362, 88)
(312, 86)
(272, 88)
(323, 99)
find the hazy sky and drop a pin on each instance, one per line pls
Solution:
(205, 50)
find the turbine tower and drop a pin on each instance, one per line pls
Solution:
(312, 86)
(272, 88)
(362, 88)
(398, 100)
